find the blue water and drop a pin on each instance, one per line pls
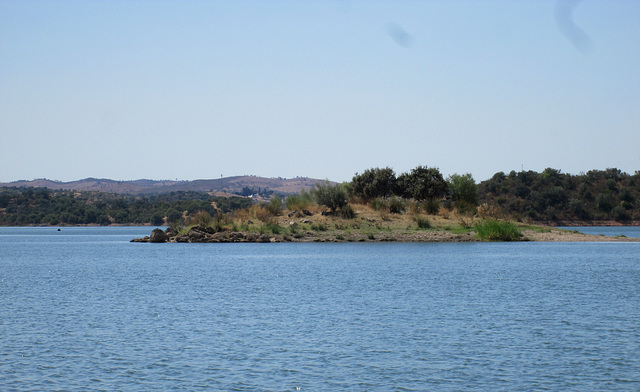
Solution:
(84, 309)
(609, 231)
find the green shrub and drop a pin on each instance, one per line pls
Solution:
(432, 206)
(463, 191)
(495, 230)
(397, 206)
(202, 218)
(299, 201)
(347, 212)
(275, 206)
(319, 227)
(379, 204)
(603, 202)
(620, 214)
(423, 223)
(332, 196)
(273, 228)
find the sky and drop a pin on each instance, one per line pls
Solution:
(325, 89)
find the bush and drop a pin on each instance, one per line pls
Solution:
(157, 219)
(332, 196)
(397, 206)
(275, 206)
(347, 212)
(200, 218)
(273, 228)
(495, 230)
(319, 227)
(603, 202)
(423, 223)
(262, 213)
(620, 214)
(432, 207)
(299, 201)
(379, 204)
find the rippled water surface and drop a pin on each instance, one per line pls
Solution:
(84, 309)
(609, 231)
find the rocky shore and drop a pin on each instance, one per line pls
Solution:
(200, 234)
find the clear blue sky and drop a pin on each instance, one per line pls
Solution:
(200, 89)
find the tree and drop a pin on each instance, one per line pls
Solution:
(373, 183)
(422, 183)
(332, 196)
(463, 191)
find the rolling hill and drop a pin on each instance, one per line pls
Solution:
(227, 185)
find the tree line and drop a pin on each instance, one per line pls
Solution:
(553, 196)
(549, 196)
(42, 206)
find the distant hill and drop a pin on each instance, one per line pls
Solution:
(227, 185)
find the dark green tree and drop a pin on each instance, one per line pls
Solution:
(422, 183)
(463, 191)
(373, 183)
(332, 196)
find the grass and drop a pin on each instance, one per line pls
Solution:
(422, 222)
(319, 227)
(456, 229)
(495, 230)
(363, 222)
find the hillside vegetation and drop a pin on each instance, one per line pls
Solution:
(420, 195)
(554, 197)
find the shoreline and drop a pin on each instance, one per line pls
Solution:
(201, 235)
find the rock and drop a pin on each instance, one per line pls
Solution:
(236, 236)
(157, 235)
(171, 232)
(195, 234)
(307, 212)
(292, 213)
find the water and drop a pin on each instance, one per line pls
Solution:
(84, 309)
(609, 231)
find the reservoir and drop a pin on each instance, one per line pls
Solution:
(84, 309)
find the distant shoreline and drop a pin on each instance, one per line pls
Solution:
(202, 234)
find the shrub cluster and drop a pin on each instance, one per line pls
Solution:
(554, 196)
(495, 230)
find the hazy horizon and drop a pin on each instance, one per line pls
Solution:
(191, 90)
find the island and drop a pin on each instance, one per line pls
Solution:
(362, 224)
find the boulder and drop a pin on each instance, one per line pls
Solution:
(195, 234)
(157, 235)
(171, 232)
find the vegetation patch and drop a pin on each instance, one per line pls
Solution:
(495, 230)
(422, 222)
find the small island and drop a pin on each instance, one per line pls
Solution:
(417, 206)
(362, 224)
